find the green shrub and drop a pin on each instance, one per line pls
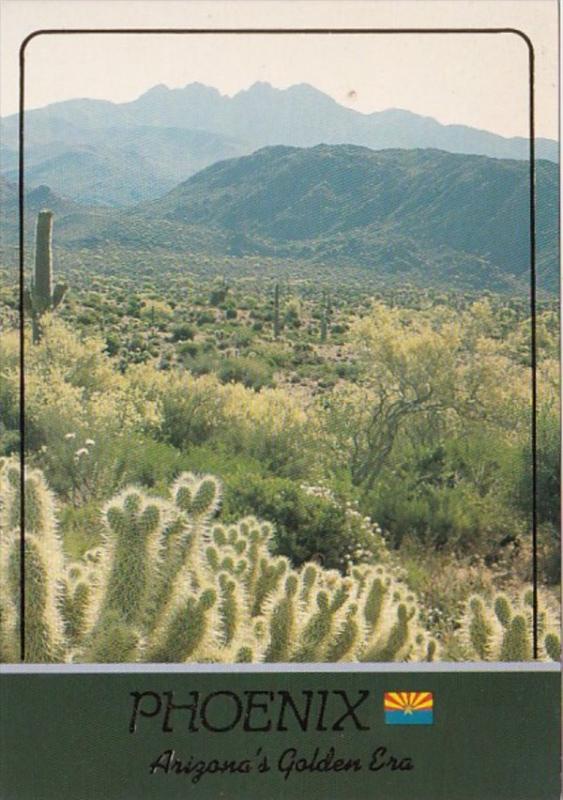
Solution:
(182, 332)
(188, 349)
(9, 441)
(548, 474)
(144, 462)
(251, 372)
(205, 318)
(113, 344)
(203, 363)
(242, 338)
(81, 528)
(214, 457)
(218, 295)
(438, 516)
(191, 412)
(309, 523)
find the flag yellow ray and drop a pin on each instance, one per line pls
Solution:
(392, 705)
(422, 697)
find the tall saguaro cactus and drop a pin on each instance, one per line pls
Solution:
(324, 318)
(277, 323)
(41, 297)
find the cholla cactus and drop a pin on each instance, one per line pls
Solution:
(42, 297)
(76, 596)
(44, 565)
(9, 560)
(123, 574)
(168, 583)
(502, 630)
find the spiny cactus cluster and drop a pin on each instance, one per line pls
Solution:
(502, 629)
(167, 584)
(45, 639)
(42, 297)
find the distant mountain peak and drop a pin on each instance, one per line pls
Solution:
(201, 89)
(194, 89)
(101, 152)
(258, 88)
(160, 88)
(307, 88)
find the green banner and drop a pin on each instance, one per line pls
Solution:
(139, 736)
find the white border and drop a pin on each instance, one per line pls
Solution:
(281, 669)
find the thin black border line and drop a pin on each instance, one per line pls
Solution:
(291, 31)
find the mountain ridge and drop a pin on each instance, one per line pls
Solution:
(179, 120)
(424, 216)
(353, 195)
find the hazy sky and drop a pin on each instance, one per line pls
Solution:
(477, 80)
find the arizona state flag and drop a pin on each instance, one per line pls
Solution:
(409, 708)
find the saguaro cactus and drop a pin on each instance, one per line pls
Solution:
(277, 323)
(41, 297)
(325, 313)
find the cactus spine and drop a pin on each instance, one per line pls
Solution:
(41, 297)
(502, 630)
(44, 640)
(168, 584)
(9, 561)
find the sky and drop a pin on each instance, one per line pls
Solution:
(476, 80)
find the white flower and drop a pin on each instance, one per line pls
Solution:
(82, 452)
(70, 436)
(89, 442)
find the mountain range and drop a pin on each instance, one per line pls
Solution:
(119, 154)
(424, 216)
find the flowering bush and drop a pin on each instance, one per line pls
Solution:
(310, 524)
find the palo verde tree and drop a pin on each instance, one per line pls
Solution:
(407, 368)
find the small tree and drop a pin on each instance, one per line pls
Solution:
(406, 369)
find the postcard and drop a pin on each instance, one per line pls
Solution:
(280, 391)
